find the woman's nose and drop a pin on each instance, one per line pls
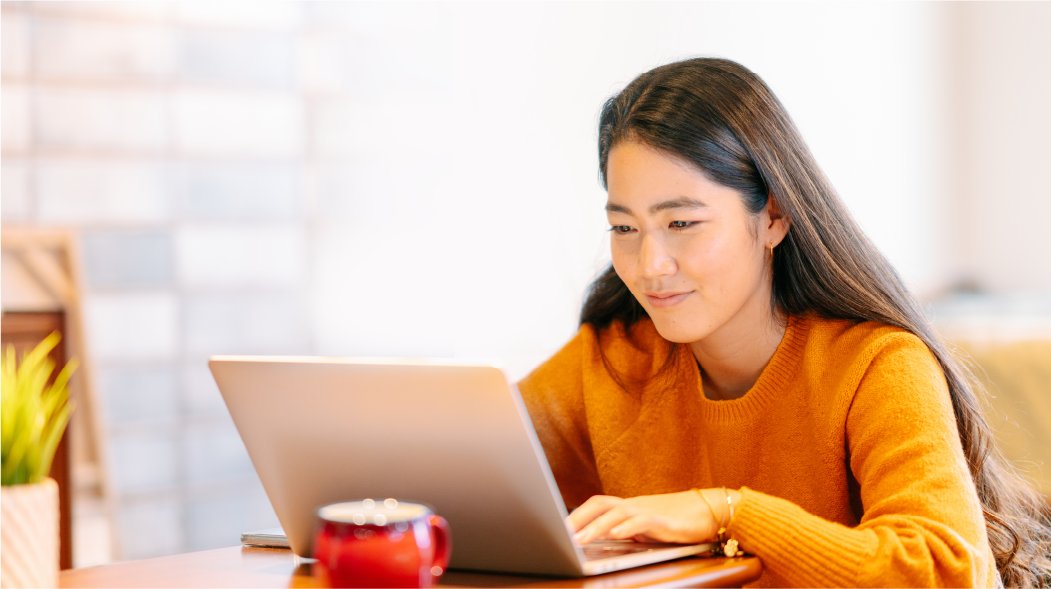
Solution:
(655, 259)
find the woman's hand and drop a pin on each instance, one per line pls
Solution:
(673, 517)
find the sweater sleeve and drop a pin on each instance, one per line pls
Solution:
(554, 396)
(922, 523)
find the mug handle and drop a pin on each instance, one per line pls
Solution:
(442, 541)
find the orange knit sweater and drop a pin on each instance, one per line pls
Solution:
(846, 450)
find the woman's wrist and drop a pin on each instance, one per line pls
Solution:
(722, 505)
(715, 501)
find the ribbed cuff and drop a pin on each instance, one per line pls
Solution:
(797, 546)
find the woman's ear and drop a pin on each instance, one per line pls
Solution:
(775, 223)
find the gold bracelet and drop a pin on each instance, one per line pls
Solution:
(730, 545)
(711, 509)
(727, 546)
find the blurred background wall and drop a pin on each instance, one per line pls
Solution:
(367, 178)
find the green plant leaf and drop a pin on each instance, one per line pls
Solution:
(34, 413)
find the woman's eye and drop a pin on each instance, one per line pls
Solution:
(682, 224)
(621, 229)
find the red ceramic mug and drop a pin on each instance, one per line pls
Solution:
(380, 544)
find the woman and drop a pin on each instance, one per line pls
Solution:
(750, 370)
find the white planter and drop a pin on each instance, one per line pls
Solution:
(29, 535)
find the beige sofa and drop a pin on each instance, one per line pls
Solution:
(1017, 377)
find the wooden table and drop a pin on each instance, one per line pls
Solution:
(271, 567)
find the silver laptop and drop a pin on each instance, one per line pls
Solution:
(453, 436)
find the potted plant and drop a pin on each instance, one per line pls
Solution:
(34, 412)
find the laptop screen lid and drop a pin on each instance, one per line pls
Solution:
(456, 437)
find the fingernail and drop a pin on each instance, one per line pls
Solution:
(579, 537)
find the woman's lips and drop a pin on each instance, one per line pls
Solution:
(669, 299)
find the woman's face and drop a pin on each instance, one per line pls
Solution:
(687, 247)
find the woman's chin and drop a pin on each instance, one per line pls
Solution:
(677, 333)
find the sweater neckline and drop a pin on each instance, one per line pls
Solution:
(771, 382)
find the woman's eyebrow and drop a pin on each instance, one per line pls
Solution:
(682, 202)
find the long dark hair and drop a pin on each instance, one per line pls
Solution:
(721, 117)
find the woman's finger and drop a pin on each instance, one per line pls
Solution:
(600, 527)
(638, 526)
(591, 509)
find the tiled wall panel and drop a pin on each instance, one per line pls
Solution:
(241, 255)
(14, 44)
(220, 123)
(130, 326)
(241, 191)
(71, 49)
(248, 14)
(235, 323)
(213, 452)
(213, 518)
(15, 112)
(171, 138)
(239, 58)
(15, 198)
(144, 461)
(138, 393)
(201, 399)
(121, 120)
(144, 11)
(151, 526)
(128, 259)
(84, 191)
